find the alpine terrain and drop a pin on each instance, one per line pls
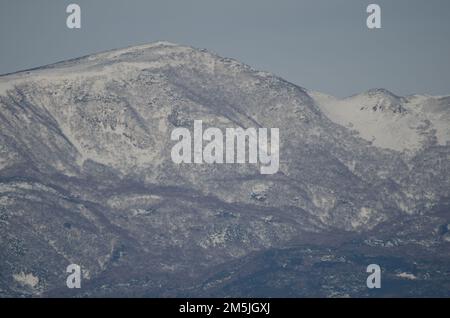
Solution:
(86, 178)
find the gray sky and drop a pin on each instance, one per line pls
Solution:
(318, 44)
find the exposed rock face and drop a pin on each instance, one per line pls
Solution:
(86, 177)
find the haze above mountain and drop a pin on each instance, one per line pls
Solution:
(86, 177)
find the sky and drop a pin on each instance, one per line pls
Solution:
(322, 45)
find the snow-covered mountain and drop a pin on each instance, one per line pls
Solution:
(86, 177)
(389, 121)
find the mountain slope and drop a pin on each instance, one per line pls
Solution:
(389, 121)
(86, 175)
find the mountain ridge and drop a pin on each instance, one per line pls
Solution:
(86, 177)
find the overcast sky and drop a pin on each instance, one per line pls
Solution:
(318, 44)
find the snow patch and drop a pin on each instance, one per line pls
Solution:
(389, 121)
(405, 275)
(6, 86)
(26, 279)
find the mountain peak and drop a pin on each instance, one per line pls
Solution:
(86, 171)
(380, 92)
(103, 58)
